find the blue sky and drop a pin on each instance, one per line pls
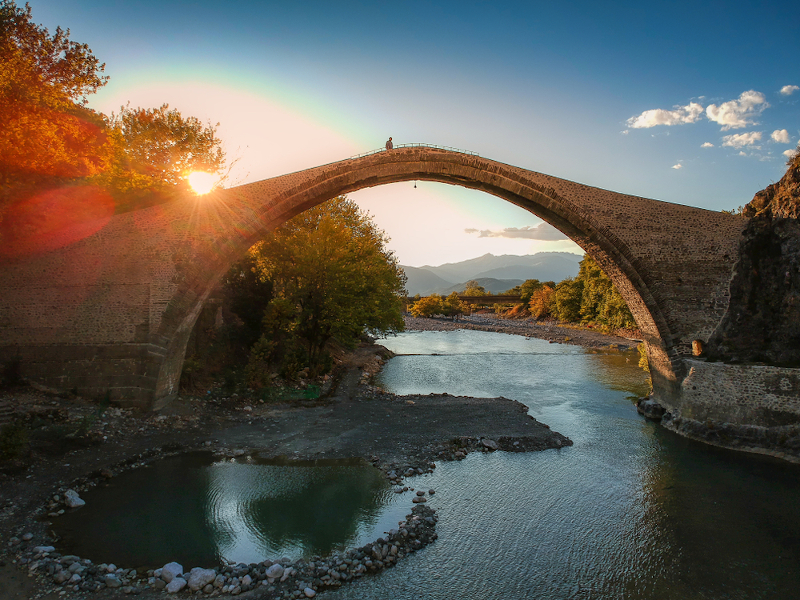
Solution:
(621, 97)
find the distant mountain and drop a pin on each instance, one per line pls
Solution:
(506, 269)
(423, 282)
(550, 267)
(496, 286)
(477, 267)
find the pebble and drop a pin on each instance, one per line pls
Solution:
(73, 500)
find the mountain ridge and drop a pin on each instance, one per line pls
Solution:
(506, 268)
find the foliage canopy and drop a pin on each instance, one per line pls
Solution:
(331, 278)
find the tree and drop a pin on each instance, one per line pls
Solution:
(332, 279)
(453, 306)
(473, 288)
(154, 150)
(45, 129)
(567, 300)
(428, 306)
(591, 298)
(541, 301)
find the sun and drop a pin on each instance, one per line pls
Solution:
(202, 182)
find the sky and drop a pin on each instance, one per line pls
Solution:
(687, 102)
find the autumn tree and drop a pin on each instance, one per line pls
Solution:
(541, 301)
(154, 150)
(46, 131)
(332, 279)
(428, 306)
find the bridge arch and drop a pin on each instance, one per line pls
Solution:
(109, 308)
(615, 229)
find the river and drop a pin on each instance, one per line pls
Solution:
(630, 511)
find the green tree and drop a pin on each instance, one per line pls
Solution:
(453, 307)
(567, 298)
(473, 288)
(332, 279)
(591, 299)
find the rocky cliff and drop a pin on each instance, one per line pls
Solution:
(763, 319)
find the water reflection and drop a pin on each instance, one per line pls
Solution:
(630, 511)
(197, 511)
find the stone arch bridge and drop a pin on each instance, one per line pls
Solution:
(111, 311)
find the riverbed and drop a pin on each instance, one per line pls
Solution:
(629, 511)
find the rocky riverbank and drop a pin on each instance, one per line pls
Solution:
(546, 330)
(401, 435)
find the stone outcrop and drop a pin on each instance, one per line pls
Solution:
(762, 323)
(779, 200)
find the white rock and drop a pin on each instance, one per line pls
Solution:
(275, 571)
(112, 581)
(44, 549)
(247, 580)
(286, 573)
(170, 571)
(199, 578)
(176, 585)
(72, 499)
(309, 593)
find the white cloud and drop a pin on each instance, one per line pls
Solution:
(678, 166)
(789, 153)
(736, 114)
(781, 136)
(625, 132)
(542, 231)
(659, 116)
(707, 145)
(788, 90)
(740, 140)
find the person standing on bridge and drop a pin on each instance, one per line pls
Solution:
(389, 144)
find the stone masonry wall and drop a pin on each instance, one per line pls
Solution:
(114, 310)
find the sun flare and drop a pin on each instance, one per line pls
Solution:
(201, 182)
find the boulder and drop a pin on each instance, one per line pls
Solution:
(650, 409)
(170, 571)
(199, 578)
(73, 500)
(275, 571)
(176, 585)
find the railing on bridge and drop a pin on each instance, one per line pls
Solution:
(398, 146)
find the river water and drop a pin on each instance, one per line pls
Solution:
(630, 511)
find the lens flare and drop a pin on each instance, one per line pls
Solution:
(201, 182)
